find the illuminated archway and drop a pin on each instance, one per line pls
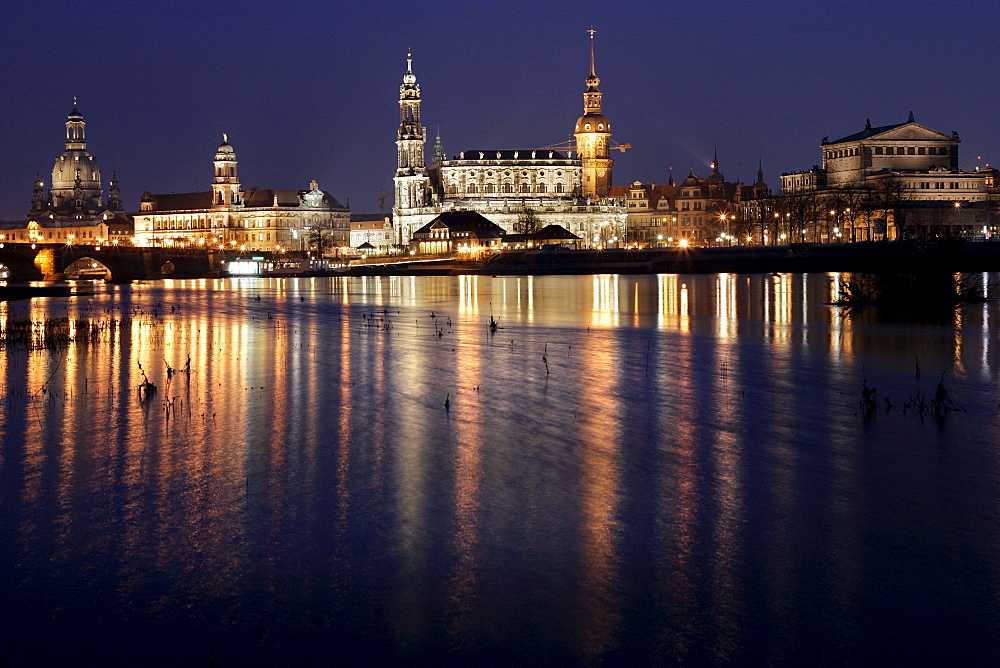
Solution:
(87, 268)
(4, 272)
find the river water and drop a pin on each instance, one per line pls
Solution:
(630, 469)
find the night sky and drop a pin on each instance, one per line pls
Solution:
(308, 90)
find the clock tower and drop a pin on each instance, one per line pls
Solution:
(593, 137)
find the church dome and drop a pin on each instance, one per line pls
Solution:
(593, 123)
(75, 116)
(225, 151)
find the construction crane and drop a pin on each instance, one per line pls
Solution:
(570, 145)
(383, 195)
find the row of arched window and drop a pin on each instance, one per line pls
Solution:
(507, 188)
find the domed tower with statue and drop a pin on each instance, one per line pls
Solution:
(73, 208)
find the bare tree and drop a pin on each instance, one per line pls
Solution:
(320, 239)
(892, 203)
(527, 221)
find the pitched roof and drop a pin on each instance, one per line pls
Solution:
(464, 221)
(554, 232)
(868, 132)
(251, 198)
(265, 197)
(181, 201)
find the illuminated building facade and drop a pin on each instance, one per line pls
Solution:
(893, 180)
(506, 185)
(690, 212)
(374, 230)
(226, 215)
(73, 208)
(457, 231)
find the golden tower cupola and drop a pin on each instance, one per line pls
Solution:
(593, 137)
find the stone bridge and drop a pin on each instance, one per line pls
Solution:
(37, 262)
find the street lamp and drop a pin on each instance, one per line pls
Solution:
(725, 221)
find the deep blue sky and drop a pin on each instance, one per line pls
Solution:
(308, 90)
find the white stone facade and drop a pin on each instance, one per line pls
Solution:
(226, 216)
(505, 185)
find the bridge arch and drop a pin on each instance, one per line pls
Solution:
(87, 267)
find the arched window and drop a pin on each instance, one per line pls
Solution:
(489, 188)
(508, 188)
(473, 188)
(525, 188)
(541, 188)
(559, 188)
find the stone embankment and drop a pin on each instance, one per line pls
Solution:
(796, 258)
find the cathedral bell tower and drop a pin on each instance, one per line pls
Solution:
(226, 183)
(411, 180)
(593, 137)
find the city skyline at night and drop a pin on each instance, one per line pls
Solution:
(306, 93)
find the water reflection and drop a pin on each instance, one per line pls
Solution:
(632, 467)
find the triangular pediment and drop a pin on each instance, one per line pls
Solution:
(911, 132)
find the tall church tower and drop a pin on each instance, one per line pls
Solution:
(593, 137)
(76, 178)
(226, 183)
(412, 182)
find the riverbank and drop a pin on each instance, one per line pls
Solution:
(798, 258)
(9, 293)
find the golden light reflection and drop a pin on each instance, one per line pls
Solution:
(678, 506)
(725, 305)
(468, 419)
(600, 433)
(346, 406)
(840, 326)
(468, 295)
(605, 299)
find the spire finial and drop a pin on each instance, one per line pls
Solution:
(409, 61)
(910, 119)
(592, 31)
(74, 101)
(225, 138)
